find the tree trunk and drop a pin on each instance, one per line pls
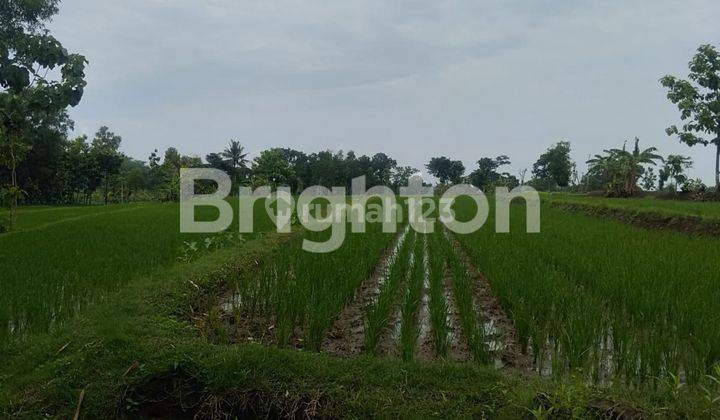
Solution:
(14, 198)
(105, 192)
(717, 165)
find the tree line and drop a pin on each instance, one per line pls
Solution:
(40, 163)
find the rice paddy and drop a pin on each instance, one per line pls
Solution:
(586, 296)
(62, 259)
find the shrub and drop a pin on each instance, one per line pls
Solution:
(4, 224)
(694, 186)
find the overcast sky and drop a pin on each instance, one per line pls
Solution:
(413, 79)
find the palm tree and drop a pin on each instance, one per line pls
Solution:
(235, 157)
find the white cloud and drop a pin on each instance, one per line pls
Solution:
(411, 78)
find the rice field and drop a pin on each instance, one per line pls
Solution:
(605, 298)
(61, 259)
(586, 296)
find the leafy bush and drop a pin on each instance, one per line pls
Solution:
(695, 186)
(4, 224)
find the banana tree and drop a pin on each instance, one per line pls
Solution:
(622, 169)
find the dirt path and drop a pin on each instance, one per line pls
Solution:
(346, 338)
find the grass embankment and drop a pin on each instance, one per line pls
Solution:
(697, 218)
(605, 299)
(703, 209)
(138, 353)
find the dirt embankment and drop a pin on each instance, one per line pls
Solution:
(691, 225)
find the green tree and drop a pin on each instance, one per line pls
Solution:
(553, 168)
(217, 161)
(134, 176)
(446, 170)
(169, 171)
(27, 54)
(105, 150)
(401, 176)
(382, 167)
(78, 167)
(486, 174)
(649, 179)
(698, 100)
(675, 167)
(272, 167)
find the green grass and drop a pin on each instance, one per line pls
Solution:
(138, 350)
(36, 217)
(704, 210)
(584, 283)
(59, 260)
(125, 328)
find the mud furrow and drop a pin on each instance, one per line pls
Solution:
(501, 337)
(424, 348)
(346, 337)
(458, 350)
(389, 344)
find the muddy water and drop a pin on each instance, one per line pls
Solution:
(424, 349)
(390, 341)
(346, 338)
(458, 346)
(500, 337)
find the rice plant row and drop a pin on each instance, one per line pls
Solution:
(462, 286)
(409, 329)
(604, 298)
(378, 315)
(301, 293)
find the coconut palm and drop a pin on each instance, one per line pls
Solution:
(236, 157)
